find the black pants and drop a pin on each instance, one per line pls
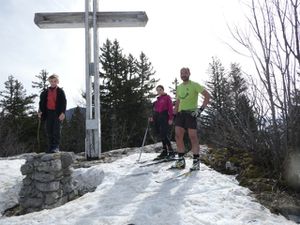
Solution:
(162, 128)
(53, 129)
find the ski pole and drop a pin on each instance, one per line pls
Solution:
(144, 139)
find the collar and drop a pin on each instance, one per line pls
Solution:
(52, 89)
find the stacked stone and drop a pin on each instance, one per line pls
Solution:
(48, 182)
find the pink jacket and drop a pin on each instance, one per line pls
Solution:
(164, 103)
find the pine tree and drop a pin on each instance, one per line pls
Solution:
(114, 66)
(230, 120)
(18, 123)
(73, 132)
(243, 119)
(41, 84)
(126, 85)
(220, 104)
(14, 102)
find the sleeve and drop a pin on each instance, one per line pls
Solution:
(153, 110)
(42, 101)
(170, 108)
(199, 88)
(64, 102)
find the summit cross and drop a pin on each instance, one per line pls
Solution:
(91, 20)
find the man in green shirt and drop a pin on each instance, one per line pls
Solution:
(186, 117)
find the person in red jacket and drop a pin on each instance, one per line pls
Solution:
(52, 108)
(162, 119)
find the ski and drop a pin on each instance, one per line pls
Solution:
(183, 174)
(142, 162)
(158, 161)
(144, 173)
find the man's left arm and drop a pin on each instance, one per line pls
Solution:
(64, 106)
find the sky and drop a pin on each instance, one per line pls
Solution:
(129, 194)
(179, 33)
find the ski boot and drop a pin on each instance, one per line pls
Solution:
(162, 155)
(179, 164)
(196, 165)
(171, 154)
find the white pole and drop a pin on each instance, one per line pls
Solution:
(88, 135)
(96, 81)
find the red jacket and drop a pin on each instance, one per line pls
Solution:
(164, 103)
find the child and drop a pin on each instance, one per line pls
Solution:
(52, 108)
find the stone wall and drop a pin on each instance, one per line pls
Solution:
(48, 182)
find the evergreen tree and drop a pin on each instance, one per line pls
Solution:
(243, 119)
(14, 102)
(126, 85)
(173, 89)
(73, 132)
(230, 120)
(18, 124)
(41, 84)
(114, 65)
(220, 104)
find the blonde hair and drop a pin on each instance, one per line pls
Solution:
(53, 76)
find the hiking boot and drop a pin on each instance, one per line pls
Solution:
(162, 155)
(179, 164)
(55, 150)
(196, 165)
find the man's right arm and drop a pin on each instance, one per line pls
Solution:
(198, 112)
(206, 98)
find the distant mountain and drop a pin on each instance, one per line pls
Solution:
(69, 112)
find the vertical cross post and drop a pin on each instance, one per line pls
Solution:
(93, 117)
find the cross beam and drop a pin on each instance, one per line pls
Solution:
(77, 19)
(91, 19)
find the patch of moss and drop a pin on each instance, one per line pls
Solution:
(252, 172)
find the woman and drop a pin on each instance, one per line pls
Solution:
(163, 118)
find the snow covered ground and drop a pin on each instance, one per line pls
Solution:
(128, 194)
(10, 183)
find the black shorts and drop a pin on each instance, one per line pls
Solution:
(185, 120)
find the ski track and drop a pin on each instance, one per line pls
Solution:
(129, 194)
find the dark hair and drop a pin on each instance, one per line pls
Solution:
(160, 86)
(186, 69)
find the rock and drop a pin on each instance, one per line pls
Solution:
(49, 186)
(48, 182)
(26, 169)
(66, 159)
(292, 170)
(49, 166)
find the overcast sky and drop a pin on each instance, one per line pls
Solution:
(179, 33)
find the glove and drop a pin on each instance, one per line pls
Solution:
(198, 112)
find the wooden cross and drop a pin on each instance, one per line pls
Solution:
(91, 20)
